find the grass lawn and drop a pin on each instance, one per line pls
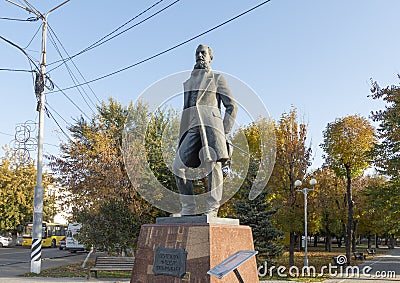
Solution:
(76, 270)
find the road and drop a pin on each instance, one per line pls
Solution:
(15, 261)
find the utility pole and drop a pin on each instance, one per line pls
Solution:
(36, 248)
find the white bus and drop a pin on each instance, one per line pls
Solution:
(72, 244)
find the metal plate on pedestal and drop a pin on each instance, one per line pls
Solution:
(170, 262)
(231, 263)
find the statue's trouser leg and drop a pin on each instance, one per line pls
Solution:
(215, 187)
(186, 196)
(187, 156)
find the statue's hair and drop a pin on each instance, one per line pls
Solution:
(210, 51)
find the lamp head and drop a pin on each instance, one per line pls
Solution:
(313, 182)
(297, 183)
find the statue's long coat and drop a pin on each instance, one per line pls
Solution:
(208, 89)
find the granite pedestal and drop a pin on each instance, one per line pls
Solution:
(206, 241)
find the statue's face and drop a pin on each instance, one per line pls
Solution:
(202, 54)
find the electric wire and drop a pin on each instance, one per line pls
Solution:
(34, 9)
(76, 67)
(10, 135)
(50, 144)
(124, 24)
(96, 44)
(62, 91)
(74, 80)
(33, 73)
(33, 37)
(171, 48)
(58, 114)
(30, 19)
(22, 50)
(30, 59)
(71, 74)
(62, 130)
(6, 134)
(16, 70)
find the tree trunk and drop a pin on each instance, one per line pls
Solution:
(328, 242)
(291, 248)
(354, 236)
(343, 235)
(299, 242)
(369, 241)
(315, 240)
(339, 241)
(350, 215)
(376, 241)
(392, 242)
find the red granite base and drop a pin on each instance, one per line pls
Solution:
(206, 246)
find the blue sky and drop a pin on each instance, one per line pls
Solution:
(315, 55)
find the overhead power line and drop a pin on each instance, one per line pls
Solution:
(22, 50)
(33, 37)
(58, 125)
(124, 24)
(71, 74)
(76, 67)
(169, 49)
(104, 40)
(58, 114)
(6, 134)
(70, 100)
(16, 70)
(30, 59)
(30, 19)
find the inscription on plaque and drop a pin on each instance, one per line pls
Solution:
(170, 262)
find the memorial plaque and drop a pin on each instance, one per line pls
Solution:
(170, 262)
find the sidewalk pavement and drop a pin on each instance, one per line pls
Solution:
(383, 269)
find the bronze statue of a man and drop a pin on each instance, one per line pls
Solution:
(202, 138)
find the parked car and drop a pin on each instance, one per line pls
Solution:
(62, 243)
(18, 242)
(6, 242)
(73, 244)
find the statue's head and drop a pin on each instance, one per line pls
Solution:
(204, 56)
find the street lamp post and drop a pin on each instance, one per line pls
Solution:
(305, 191)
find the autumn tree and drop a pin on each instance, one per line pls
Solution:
(347, 144)
(92, 172)
(17, 183)
(257, 213)
(375, 207)
(292, 161)
(326, 202)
